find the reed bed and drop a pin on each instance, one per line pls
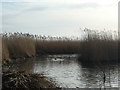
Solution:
(100, 47)
(93, 47)
(57, 47)
(19, 45)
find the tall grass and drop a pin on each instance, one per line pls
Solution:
(99, 47)
(0, 48)
(118, 45)
(57, 47)
(17, 45)
(94, 47)
(5, 52)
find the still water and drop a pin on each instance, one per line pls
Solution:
(67, 72)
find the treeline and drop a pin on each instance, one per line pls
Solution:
(19, 45)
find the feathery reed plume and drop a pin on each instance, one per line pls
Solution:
(98, 47)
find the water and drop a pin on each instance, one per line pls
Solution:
(67, 72)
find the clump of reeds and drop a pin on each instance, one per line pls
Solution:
(17, 45)
(119, 50)
(94, 46)
(98, 47)
(22, 80)
(5, 52)
(57, 47)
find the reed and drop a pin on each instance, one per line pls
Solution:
(5, 52)
(94, 47)
(57, 47)
(17, 45)
(98, 47)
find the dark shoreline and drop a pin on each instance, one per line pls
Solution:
(21, 79)
(37, 80)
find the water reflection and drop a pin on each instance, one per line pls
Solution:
(66, 71)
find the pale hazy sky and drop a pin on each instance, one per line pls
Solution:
(58, 17)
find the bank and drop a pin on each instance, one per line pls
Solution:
(15, 79)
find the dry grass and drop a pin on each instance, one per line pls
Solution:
(57, 47)
(17, 45)
(94, 47)
(23, 80)
(98, 47)
(119, 50)
(5, 52)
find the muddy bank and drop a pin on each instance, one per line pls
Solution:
(21, 79)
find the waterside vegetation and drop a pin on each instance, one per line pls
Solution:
(94, 46)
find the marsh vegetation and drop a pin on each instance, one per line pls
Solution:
(94, 46)
(18, 45)
(94, 49)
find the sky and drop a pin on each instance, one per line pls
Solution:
(58, 17)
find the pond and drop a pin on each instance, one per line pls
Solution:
(67, 72)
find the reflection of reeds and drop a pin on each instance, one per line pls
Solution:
(99, 47)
